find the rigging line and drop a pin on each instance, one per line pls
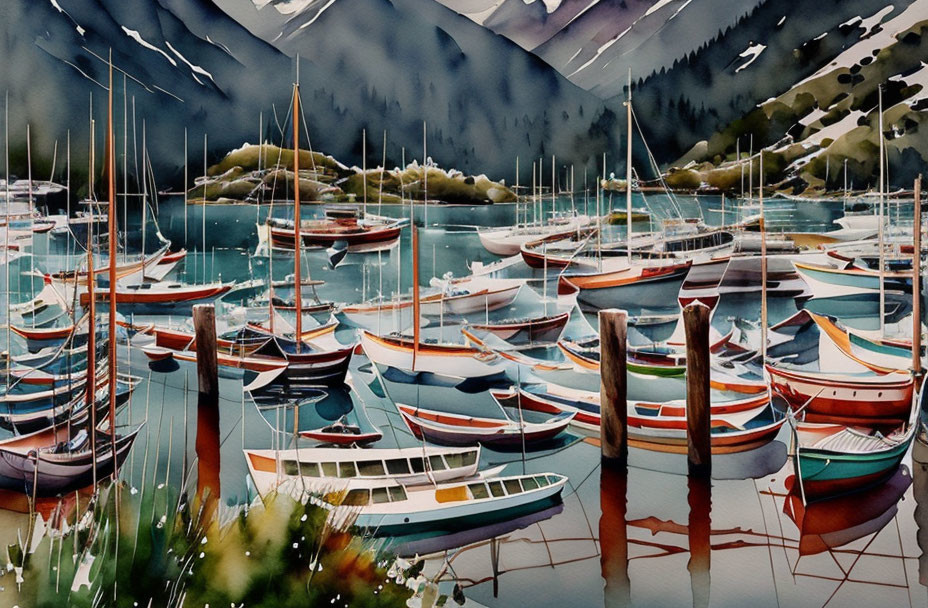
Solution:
(660, 176)
(309, 142)
(763, 516)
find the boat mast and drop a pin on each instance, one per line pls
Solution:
(91, 338)
(298, 295)
(383, 171)
(553, 189)
(534, 191)
(203, 215)
(882, 195)
(144, 191)
(751, 171)
(125, 171)
(916, 282)
(111, 219)
(364, 165)
(415, 294)
(763, 264)
(425, 179)
(185, 186)
(6, 248)
(845, 185)
(517, 191)
(31, 217)
(628, 170)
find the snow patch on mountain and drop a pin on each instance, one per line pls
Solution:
(751, 54)
(195, 68)
(135, 35)
(872, 41)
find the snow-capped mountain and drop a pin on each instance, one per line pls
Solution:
(808, 92)
(594, 43)
(212, 67)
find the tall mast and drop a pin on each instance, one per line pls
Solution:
(425, 178)
(383, 172)
(553, 188)
(628, 170)
(125, 169)
(203, 215)
(517, 190)
(92, 160)
(91, 338)
(364, 165)
(6, 248)
(185, 186)
(415, 295)
(298, 241)
(145, 190)
(751, 170)
(882, 194)
(111, 219)
(763, 265)
(916, 281)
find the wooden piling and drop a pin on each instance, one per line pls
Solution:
(207, 440)
(613, 388)
(699, 447)
(916, 282)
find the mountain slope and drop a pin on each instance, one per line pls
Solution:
(717, 88)
(191, 64)
(397, 63)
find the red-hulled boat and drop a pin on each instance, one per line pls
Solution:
(865, 398)
(455, 429)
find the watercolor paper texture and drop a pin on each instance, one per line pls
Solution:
(463, 302)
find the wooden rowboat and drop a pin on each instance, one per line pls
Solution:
(455, 429)
(855, 398)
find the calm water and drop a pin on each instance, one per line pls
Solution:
(645, 537)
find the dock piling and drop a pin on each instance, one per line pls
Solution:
(698, 419)
(207, 440)
(613, 388)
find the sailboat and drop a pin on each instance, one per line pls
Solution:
(316, 359)
(61, 459)
(413, 355)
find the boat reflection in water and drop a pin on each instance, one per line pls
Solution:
(836, 522)
(699, 532)
(411, 545)
(613, 536)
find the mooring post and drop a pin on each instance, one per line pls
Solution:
(613, 393)
(698, 419)
(207, 441)
(916, 282)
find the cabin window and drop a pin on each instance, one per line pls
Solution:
(479, 490)
(357, 498)
(496, 488)
(436, 463)
(398, 466)
(418, 465)
(397, 493)
(512, 486)
(458, 460)
(329, 469)
(347, 469)
(380, 495)
(371, 468)
(307, 469)
(529, 483)
(542, 481)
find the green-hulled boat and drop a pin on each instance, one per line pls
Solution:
(835, 459)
